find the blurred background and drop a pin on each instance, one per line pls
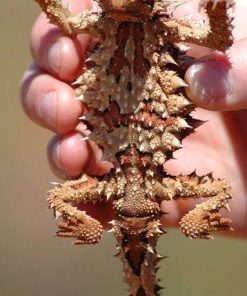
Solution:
(32, 262)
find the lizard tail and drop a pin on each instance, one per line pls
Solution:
(140, 259)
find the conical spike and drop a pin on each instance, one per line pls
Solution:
(55, 183)
(193, 174)
(195, 123)
(182, 124)
(158, 231)
(227, 207)
(150, 249)
(84, 139)
(77, 81)
(170, 60)
(118, 254)
(182, 47)
(177, 82)
(157, 289)
(164, 213)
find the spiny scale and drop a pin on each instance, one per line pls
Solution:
(139, 114)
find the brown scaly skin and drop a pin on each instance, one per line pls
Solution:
(139, 115)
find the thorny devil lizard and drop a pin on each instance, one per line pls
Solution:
(139, 114)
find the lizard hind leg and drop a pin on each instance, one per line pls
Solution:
(205, 218)
(76, 223)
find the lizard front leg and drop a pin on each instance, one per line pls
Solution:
(204, 219)
(70, 24)
(220, 23)
(77, 224)
(216, 35)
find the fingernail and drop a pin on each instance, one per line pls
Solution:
(56, 156)
(47, 109)
(209, 80)
(74, 6)
(53, 57)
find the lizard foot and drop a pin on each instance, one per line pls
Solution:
(200, 223)
(84, 233)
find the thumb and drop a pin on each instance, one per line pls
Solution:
(218, 81)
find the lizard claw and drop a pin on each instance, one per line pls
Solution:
(217, 223)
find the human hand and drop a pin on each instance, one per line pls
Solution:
(48, 100)
(218, 82)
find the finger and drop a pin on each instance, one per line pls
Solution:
(188, 8)
(59, 55)
(174, 211)
(219, 81)
(101, 211)
(50, 102)
(69, 157)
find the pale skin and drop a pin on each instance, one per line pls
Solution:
(219, 146)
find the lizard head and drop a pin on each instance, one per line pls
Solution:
(128, 10)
